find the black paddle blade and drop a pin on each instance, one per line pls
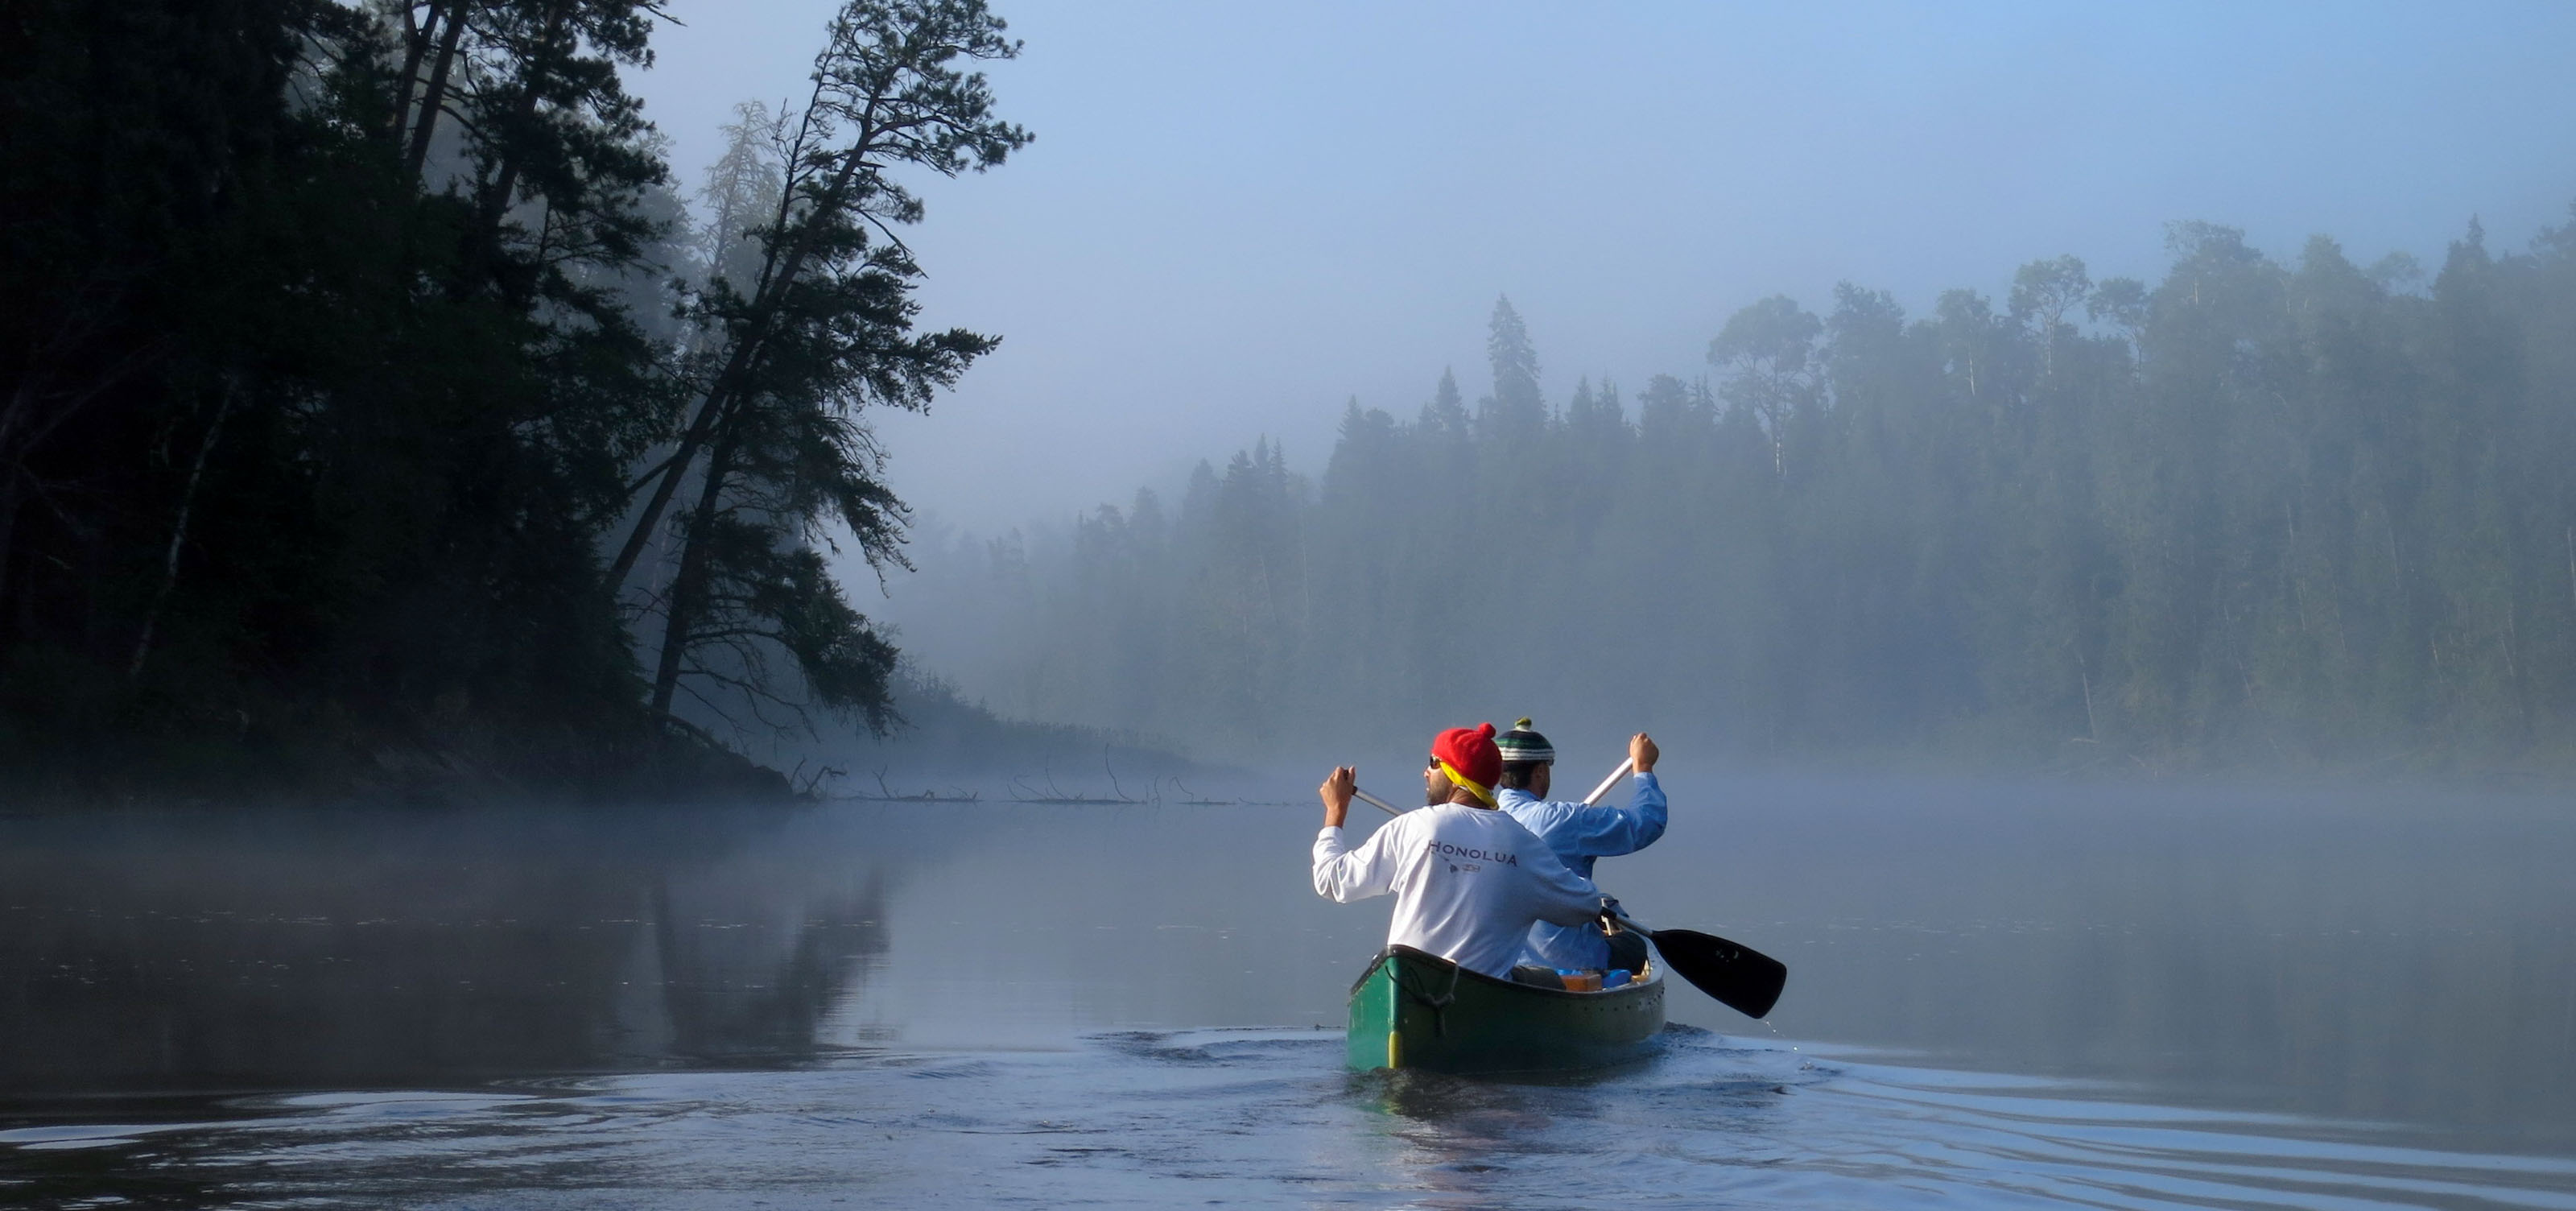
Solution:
(1742, 979)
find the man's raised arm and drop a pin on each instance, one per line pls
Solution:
(1343, 875)
(1643, 823)
(1607, 832)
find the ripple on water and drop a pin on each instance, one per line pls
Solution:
(1267, 1117)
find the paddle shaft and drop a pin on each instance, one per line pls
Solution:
(1588, 800)
(1611, 781)
(1373, 801)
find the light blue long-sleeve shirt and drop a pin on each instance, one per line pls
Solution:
(1578, 834)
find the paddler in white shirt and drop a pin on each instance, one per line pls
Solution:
(1578, 833)
(1468, 880)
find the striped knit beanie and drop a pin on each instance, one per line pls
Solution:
(1470, 759)
(1521, 745)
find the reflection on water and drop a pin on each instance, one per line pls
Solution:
(2211, 1000)
(1265, 1117)
(291, 951)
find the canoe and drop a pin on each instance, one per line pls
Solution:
(1413, 1009)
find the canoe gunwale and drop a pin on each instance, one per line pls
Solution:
(1463, 974)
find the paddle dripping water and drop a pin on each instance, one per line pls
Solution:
(2003, 998)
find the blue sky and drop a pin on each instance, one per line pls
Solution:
(1235, 217)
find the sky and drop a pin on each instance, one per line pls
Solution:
(1237, 217)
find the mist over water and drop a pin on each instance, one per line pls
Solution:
(1997, 993)
(447, 412)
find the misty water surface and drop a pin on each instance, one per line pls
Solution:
(1998, 995)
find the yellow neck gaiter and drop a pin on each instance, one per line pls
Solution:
(1483, 793)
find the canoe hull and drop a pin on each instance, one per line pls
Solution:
(1417, 1010)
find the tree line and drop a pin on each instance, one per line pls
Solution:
(2312, 513)
(366, 381)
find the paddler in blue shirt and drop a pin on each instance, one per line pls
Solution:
(1578, 833)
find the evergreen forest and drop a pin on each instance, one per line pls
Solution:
(379, 405)
(2313, 515)
(375, 408)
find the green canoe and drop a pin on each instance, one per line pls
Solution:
(1418, 1010)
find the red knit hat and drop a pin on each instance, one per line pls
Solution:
(1470, 758)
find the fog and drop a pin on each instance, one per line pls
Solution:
(1236, 217)
(2274, 999)
(547, 654)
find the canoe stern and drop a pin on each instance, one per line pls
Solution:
(1417, 1010)
(1375, 1041)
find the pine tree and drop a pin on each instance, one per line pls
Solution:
(775, 441)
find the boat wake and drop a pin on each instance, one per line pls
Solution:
(1266, 1117)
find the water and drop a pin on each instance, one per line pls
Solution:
(1998, 997)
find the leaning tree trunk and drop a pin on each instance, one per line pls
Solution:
(178, 537)
(747, 347)
(434, 91)
(493, 206)
(679, 611)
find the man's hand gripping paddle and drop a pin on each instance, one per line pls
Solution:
(1739, 977)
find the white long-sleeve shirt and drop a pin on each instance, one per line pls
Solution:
(1468, 883)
